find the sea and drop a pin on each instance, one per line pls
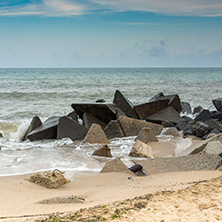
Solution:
(25, 93)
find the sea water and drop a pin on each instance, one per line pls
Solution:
(25, 93)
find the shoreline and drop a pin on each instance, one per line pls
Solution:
(19, 197)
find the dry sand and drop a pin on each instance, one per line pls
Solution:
(18, 199)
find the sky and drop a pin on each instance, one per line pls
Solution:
(110, 33)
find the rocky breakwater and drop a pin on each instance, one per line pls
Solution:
(102, 121)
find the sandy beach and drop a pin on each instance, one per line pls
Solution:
(19, 197)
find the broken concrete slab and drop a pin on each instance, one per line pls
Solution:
(114, 130)
(147, 109)
(141, 149)
(68, 128)
(89, 119)
(103, 111)
(132, 127)
(48, 130)
(96, 135)
(124, 104)
(103, 151)
(116, 165)
(166, 114)
(185, 163)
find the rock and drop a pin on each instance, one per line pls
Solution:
(166, 114)
(68, 128)
(181, 125)
(124, 104)
(113, 130)
(49, 179)
(103, 151)
(156, 97)
(172, 131)
(1, 135)
(147, 109)
(174, 102)
(62, 200)
(119, 112)
(89, 119)
(217, 115)
(146, 135)
(213, 124)
(201, 129)
(103, 111)
(188, 119)
(96, 135)
(73, 116)
(204, 115)
(100, 101)
(132, 127)
(116, 165)
(214, 147)
(35, 123)
(48, 130)
(186, 108)
(197, 109)
(185, 163)
(141, 149)
(218, 104)
(199, 147)
(167, 123)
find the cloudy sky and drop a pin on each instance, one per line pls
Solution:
(110, 33)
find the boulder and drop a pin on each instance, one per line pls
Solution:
(124, 104)
(69, 128)
(199, 147)
(119, 112)
(181, 125)
(218, 104)
(147, 109)
(103, 111)
(167, 123)
(197, 109)
(185, 163)
(156, 97)
(73, 116)
(35, 123)
(166, 114)
(1, 135)
(201, 129)
(172, 131)
(146, 135)
(49, 179)
(214, 124)
(48, 130)
(103, 151)
(96, 135)
(116, 165)
(132, 127)
(141, 149)
(204, 115)
(113, 130)
(89, 119)
(217, 115)
(214, 147)
(174, 102)
(186, 108)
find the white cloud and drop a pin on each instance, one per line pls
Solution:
(169, 7)
(51, 8)
(206, 8)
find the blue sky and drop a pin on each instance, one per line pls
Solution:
(110, 33)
